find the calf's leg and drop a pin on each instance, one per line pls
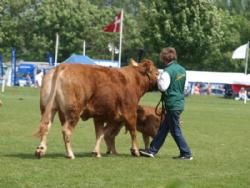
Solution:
(145, 140)
(111, 131)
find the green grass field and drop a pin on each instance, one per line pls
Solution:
(217, 130)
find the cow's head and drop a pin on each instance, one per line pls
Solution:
(146, 68)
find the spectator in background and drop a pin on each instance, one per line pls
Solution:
(28, 79)
(197, 89)
(242, 94)
(39, 78)
(209, 89)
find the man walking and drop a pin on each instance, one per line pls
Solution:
(171, 83)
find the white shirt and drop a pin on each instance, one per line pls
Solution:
(163, 81)
(39, 78)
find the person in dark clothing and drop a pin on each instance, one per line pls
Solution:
(171, 83)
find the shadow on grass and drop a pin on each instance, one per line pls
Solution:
(31, 156)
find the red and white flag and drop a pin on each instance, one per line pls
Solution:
(115, 25)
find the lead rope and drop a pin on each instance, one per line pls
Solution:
(163, 107)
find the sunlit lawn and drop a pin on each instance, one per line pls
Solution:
(217, 130)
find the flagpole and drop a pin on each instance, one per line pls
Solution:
(84, 48)
(246, 66)
(246, 59)
(120, 44)
(56, 49)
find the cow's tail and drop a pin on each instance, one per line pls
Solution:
(50, 108)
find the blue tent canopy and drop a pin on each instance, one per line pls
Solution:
(74, 58)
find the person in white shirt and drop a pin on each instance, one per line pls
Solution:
(242, 94)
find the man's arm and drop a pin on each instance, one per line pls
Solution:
(163, 81)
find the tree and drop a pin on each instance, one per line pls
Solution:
(238, 30)
(10, 16)
(191, 27)
(31, 26)
(204, 32)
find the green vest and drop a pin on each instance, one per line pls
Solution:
(174, 95)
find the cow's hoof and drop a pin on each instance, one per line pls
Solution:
(71, 157)
(38, 155)
(40, 151)
(95, 154)
(134, 152)
(111, 152)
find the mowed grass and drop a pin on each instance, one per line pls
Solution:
(217, 130)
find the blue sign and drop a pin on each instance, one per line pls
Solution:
(13, 66)
(26, 72)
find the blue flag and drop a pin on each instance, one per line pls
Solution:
(13, 66)
(1, 66)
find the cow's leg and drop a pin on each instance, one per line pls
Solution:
(42, 148)
(67, 132)
(146, 141)
(99, 132)
(67, 129)
(111, 131)
(131, 126)
(45, 124)
(108, 139)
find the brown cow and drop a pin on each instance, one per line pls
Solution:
(148, 123)
(109, 95)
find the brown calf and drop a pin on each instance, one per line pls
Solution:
(148, 123)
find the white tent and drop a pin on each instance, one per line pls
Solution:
(218, 77)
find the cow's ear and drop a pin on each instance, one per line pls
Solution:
(147, 65)
(133, 63)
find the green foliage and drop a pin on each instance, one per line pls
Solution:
(234, 6)
(191, 27)
(33, 27)
(204, 32)
(216, 130)
(236, 29)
